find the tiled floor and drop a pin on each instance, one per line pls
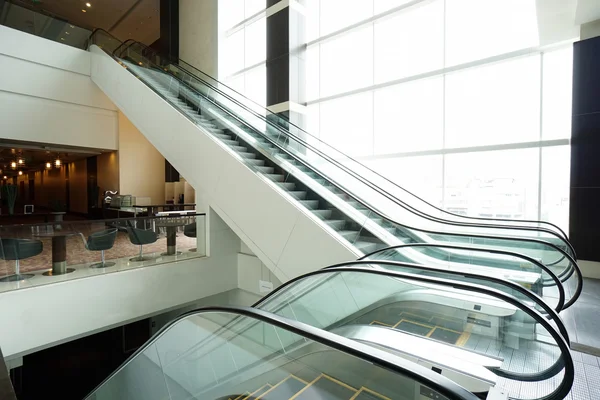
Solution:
(583, 319)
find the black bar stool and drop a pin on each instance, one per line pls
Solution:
(19, 249)
(101, 241)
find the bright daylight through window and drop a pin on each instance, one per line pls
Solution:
(466, 103)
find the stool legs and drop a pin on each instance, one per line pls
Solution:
(103, 263)
(17, 276)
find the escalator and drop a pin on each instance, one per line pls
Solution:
(409, 334)
(313, 198)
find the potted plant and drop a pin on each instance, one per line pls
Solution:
(10, 194)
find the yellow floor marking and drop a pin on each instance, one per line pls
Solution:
(280, 382)
(374, 393)
(462, 340)
(241, 395)
(412, 322)
(379, 323)
(306, 387)
(257, 390)
(300, 379)
(339, 382)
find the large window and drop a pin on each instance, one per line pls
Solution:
(459, 101)
(243, 47)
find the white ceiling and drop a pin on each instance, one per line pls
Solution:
(125, 19)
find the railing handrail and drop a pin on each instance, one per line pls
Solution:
(382, 359)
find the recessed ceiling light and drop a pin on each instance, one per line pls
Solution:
(67, 33)
(72, 26)
(62, 38)
(88, 4)
(83, 10)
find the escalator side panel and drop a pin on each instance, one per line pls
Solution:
(276, 228)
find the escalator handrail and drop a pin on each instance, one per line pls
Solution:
(561, 290)
(552, 314)
(267, 112)
(344, 168)
(424, 376)
(501, 238)
(564, 361)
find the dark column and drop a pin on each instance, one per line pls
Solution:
(285, 60)
(93, 191)
(168, 43)
(171, 174)
(584, 218)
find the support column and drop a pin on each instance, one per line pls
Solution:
(584, 217)
(286, 94)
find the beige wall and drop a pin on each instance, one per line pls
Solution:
(141, 166)
(78, 199)
(108, 171)
(199, 34)
(590, 30)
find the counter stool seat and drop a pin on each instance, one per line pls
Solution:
(189, 230)
(102, 241)
(140, 237)
(16, 250)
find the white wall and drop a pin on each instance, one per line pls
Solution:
(199, 34)
(46, 94)
(44, 316)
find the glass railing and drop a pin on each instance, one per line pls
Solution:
(39, 254)
(526, 271)
(473, 314)
(408, 199)
(374, 226)
(43, 25)
(235, 353)
(362, 223)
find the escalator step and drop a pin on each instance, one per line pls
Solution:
(265, 170)
(310, 204)
(275, 177)
(349, 235)
(257, 162)
(336, 224)
(326, 388)
(285, 389)
(323, 214)
(365, 247)
(299, 195)
(259, 392)
(247, 155)
(287, 185)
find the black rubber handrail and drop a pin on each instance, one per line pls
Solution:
(382, 359)
(341, 166)
(346, 169)
(358, 267)
(500, 238)
(564, 361)
(557, 282)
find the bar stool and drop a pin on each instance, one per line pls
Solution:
(19, 249)
(140, 237)
(189, 230)
(101, 241)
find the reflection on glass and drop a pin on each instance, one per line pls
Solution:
(498, 184)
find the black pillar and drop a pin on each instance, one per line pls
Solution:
(168, 43)
(584, 218)
(285, 59)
